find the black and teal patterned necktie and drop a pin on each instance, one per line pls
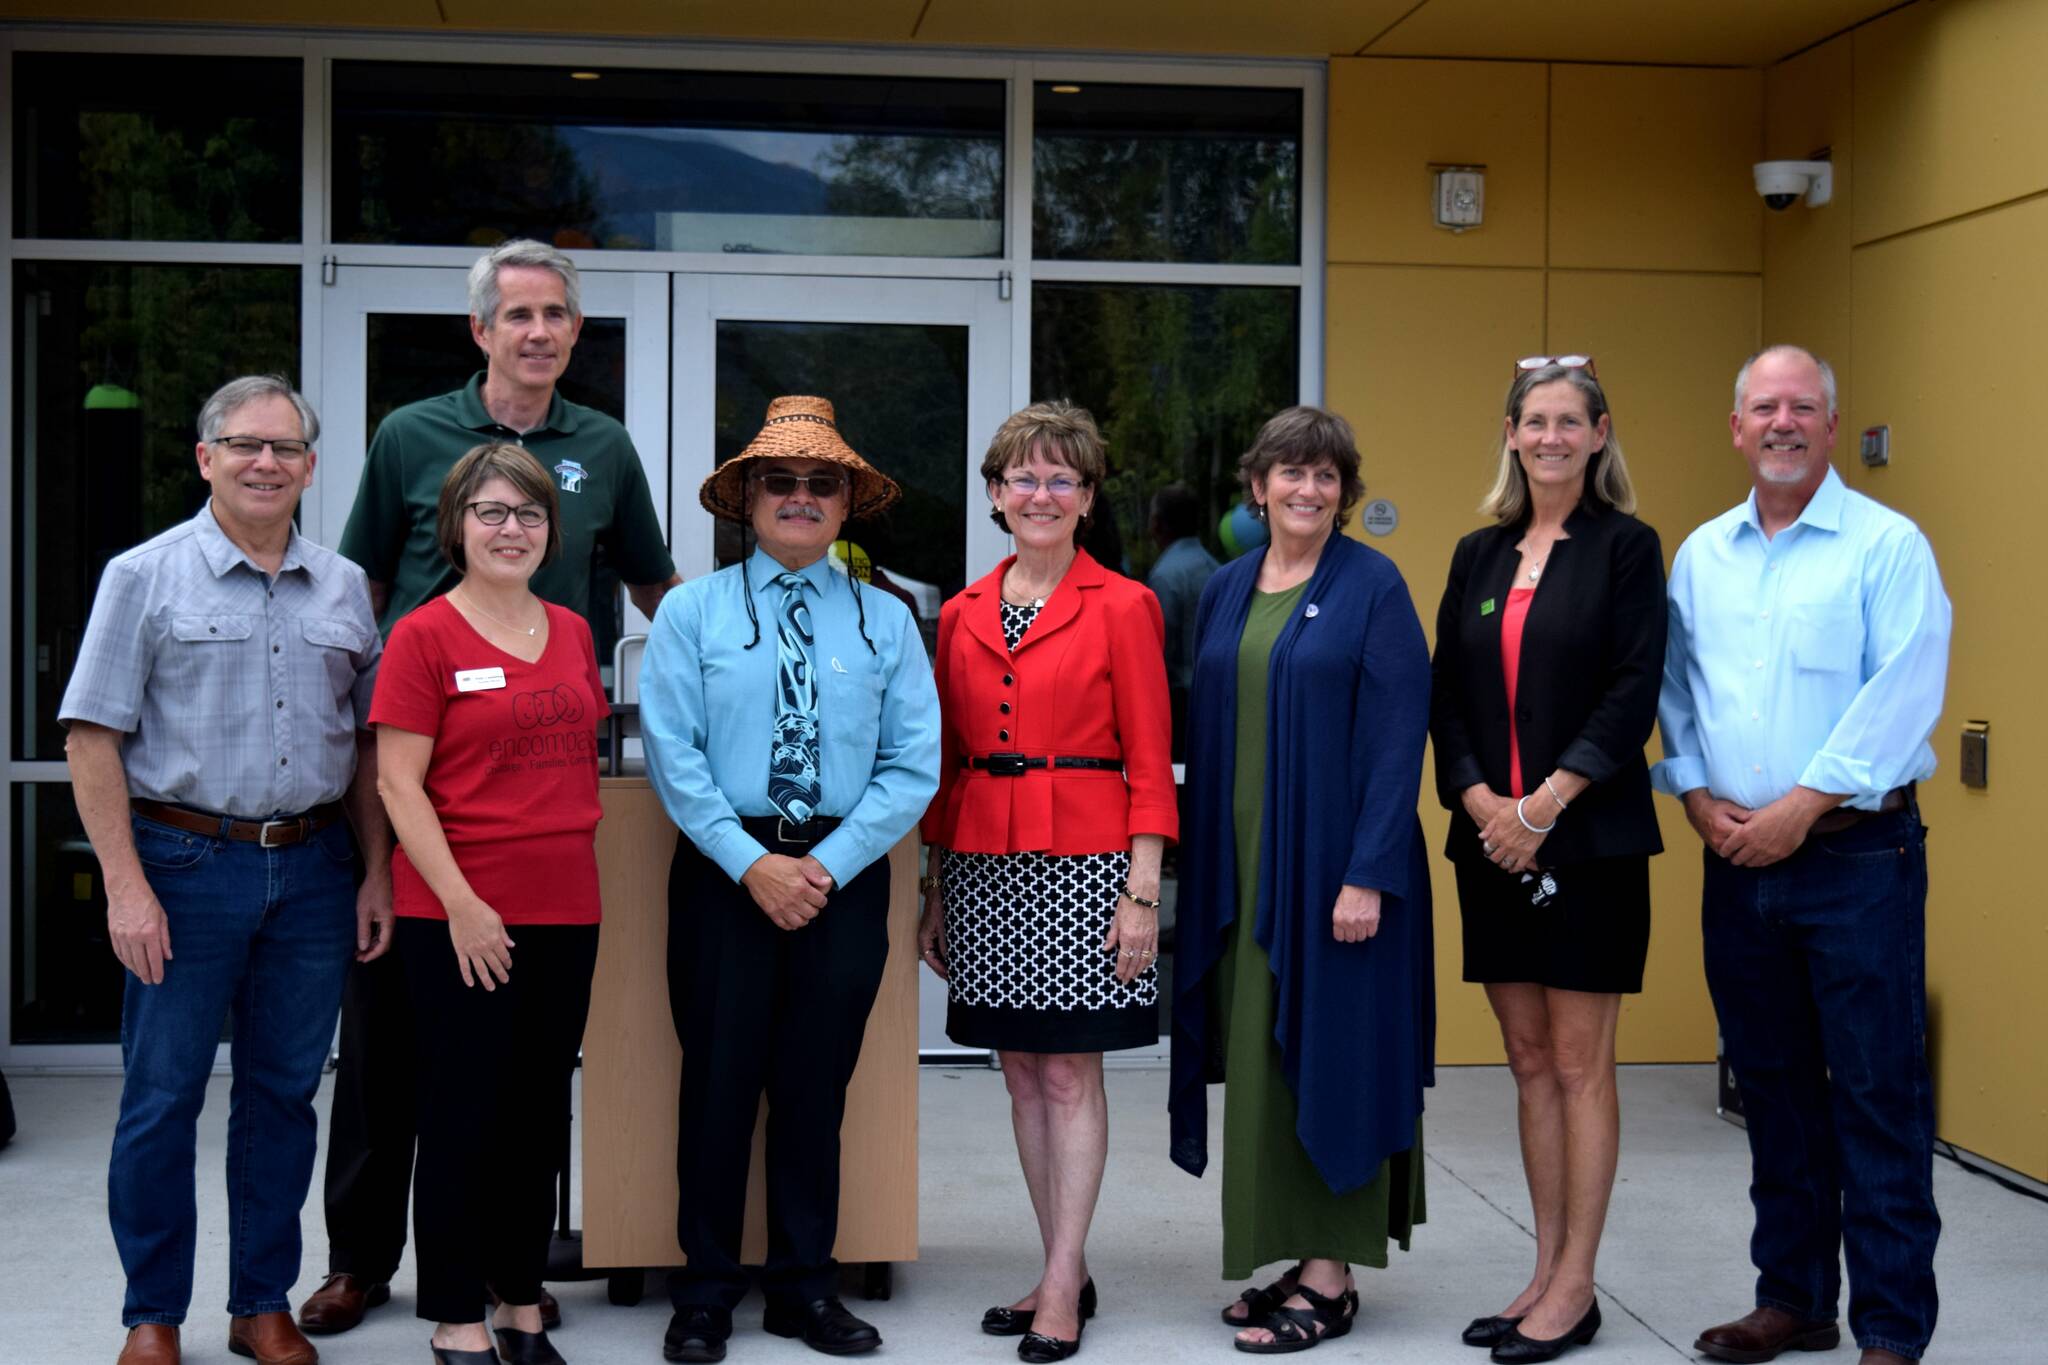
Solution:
(793, 787)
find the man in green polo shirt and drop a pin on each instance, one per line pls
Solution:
(525, 314)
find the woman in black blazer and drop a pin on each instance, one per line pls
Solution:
(1549, 654)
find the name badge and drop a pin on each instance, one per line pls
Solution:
(478, 679)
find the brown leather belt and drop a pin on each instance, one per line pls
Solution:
(291, 829)
(1843, 817)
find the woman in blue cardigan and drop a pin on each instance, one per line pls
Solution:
(1303, 960)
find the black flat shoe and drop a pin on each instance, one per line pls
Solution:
(824, 1324)
(1015, 1322)
(448, 1355)
(697, 1334)
(1487, 1331)
(527, 1348)
(1039, 1349)
(1516, 1349)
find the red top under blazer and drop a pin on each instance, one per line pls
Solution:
(1087, 681)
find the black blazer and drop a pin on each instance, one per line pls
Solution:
(1586, 691)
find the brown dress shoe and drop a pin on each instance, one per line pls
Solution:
(151, 1343)
(1761, 1334)
(270, 1339)
(339, 1304)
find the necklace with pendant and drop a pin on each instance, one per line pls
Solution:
(528, 631)
(1535, 571)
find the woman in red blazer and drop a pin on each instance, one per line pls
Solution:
(1055, 803)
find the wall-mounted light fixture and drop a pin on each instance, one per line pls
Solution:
(1460, 197)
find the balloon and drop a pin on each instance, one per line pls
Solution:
(1240, 531)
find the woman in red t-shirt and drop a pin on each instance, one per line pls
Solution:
(486, 712)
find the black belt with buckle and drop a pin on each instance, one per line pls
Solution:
(1844, 817)
(773, 829)
(289, 829)
(1016, 765)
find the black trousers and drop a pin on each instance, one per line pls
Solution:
(761, 1009)
(493, 1075)
(371, 1123)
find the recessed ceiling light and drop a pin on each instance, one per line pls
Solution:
(1066, 90)
(585, 76)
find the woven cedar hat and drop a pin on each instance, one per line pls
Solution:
(798, 429)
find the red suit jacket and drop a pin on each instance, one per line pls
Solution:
(1087, 681)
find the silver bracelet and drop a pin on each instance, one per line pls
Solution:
(1533, 829)
(1562, 805)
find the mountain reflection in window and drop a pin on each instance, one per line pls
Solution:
(732, 162)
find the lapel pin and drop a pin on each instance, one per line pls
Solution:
(1312, 609)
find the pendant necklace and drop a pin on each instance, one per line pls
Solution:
(528, 631)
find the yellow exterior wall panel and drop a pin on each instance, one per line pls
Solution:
(1808, 106)
(1951, 112)
(1301, 27)
(1725, 33)
(1418, 359)
(1650, 168)
(1950, 354)
(1390, 121)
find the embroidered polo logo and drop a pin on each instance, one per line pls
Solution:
(1486, 607)
(572, 474)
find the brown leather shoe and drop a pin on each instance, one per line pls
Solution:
(1761, 1334)
(339, 1304)
(151, 1343)
(270, 1339)
(1878, 1355)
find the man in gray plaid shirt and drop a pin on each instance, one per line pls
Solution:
(219, 754)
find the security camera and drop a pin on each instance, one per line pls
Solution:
(1781, 183)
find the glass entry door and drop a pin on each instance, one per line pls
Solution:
(393, 335)
(918, 373)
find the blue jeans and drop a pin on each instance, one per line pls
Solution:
(1817, 967)
(268, 934)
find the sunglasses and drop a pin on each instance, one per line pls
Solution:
(1564, 362)
(820, 485)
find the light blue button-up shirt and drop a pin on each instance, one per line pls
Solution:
(1815, 658)
(707, 712)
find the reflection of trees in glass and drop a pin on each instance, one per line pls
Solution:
(466, 181)
(107, 478)
(900, 394)
(915, 177)
(1165, 199)
(149, 182)
(1179, 379)
(114, 146)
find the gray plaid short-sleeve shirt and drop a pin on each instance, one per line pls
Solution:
(237, 693)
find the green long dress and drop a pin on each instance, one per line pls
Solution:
(1276, 1206)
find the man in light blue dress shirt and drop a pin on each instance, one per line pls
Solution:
(792, 731)
(1803, 678)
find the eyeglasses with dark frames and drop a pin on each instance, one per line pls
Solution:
(530, 514)
(1563, 362)
(781, 485)
(249, 447)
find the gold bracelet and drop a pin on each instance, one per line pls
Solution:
(1135, 898)
(927, 885)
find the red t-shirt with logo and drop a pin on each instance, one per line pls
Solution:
(514, 772)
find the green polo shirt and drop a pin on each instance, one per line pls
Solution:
(606, 505)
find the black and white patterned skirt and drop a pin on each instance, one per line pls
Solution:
(1024, 955)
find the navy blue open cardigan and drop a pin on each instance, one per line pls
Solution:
(1348, 710)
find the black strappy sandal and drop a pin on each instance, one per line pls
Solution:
(1259, 1303)
(1300, 1329)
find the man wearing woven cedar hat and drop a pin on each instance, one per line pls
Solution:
(792, 731)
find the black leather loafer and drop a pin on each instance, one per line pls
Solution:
(1015, 1322)
(824, 1324)
(697, 1334)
